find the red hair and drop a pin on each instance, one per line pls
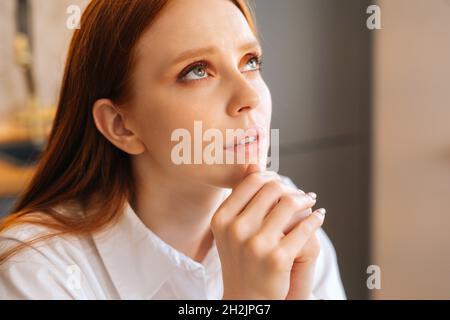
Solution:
(79, 163)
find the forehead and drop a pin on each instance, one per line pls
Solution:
(185, 24)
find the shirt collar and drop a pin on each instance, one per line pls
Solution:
(138, 261)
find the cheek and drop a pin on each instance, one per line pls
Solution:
(266, 97)
(157, 118)
(158, 115)
(265, 105)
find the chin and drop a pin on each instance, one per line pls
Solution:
(226, 176)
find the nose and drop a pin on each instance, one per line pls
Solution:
(245, 96)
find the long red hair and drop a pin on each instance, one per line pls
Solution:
(78, 162)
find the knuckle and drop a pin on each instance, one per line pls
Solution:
(217, 223)
(275, 186)
(278, 259)
(238, 230)
(256, 246)
(289, 200)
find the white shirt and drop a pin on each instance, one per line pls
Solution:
(127, 261)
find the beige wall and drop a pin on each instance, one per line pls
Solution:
(12, 86)
(411, 217)
(51, 38)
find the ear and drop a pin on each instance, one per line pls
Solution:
(111, 123)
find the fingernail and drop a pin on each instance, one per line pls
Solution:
(312, 195)
(321, 211)
(301, 191)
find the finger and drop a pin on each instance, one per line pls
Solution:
(244, 192)
(299, 216)
(284, 211)
(264, 200)
(295, 240)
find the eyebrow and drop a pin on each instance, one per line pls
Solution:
(211, 49)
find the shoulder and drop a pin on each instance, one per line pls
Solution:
(41, 269)
(52, 244)
(49, 247)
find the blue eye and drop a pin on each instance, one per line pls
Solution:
(195, 72)
(255, 63)
(198, 70)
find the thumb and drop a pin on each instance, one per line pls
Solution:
(252, 168)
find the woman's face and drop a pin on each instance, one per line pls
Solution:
(198, 61)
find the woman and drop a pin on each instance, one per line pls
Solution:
(109, 215)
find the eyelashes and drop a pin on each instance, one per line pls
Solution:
(191, 67)
(204, 65)
(259, 61)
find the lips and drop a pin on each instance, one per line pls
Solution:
(251, 135)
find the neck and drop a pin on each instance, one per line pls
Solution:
(176, 210)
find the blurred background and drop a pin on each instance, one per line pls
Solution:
(364, 119)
